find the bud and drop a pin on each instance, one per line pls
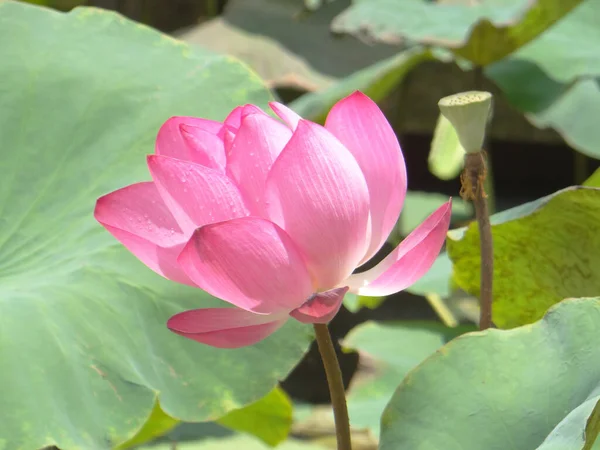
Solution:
(468, 113)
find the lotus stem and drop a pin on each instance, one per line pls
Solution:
(478, 83)
(336, 386)
(472, 180)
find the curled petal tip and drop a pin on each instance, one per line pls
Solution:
(286, 114)
(409, 261)
(359, 94)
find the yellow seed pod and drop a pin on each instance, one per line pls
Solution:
(468, 113)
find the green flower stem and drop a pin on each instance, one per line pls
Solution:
(473, 179)
(336, 386)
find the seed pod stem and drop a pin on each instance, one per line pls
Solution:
(472, 189)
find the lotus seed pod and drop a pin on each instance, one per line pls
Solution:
(468, 113)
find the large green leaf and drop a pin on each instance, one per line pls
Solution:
(481, 33)
(569, 49)
(420, 20)
(568, 108)
(388, 352)
(63, 5)
(269, 419)
(570, 115)
(551, 80)
(240, 442)
(286, 46)
(83, 344)
(212, 436)
(489, 42)
(544, 251)
(158, 424)
(533, 387)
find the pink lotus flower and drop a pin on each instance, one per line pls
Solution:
(273, 218)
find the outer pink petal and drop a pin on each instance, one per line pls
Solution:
(317, 193)
(139, 219)
(257, 144)
(224, 327)
(360, 125)
(409, 261)
(286, 114)
(249, 262)
(191, 139)
(195, 194)
(320, 308)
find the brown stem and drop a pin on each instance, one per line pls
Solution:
(472, 180)
(479, 85)
(336, 386)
